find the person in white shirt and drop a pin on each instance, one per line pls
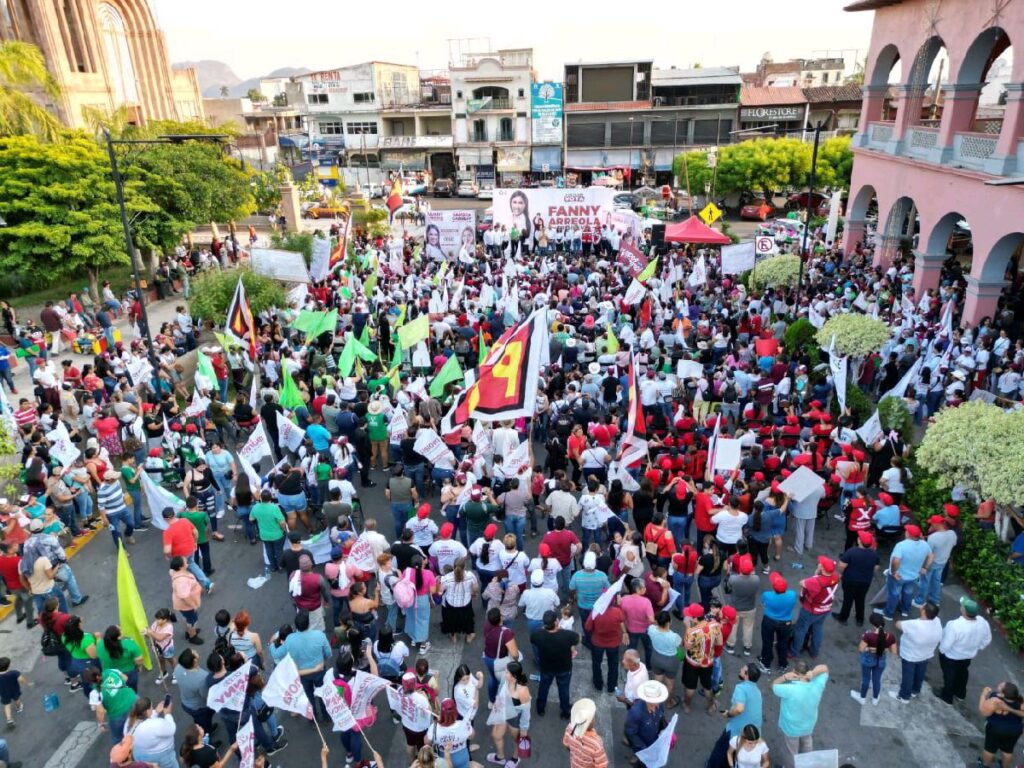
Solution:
(152, 733)
(917, 645)
(423, 528)
(636, 675)
(962, 639)
(446, 550)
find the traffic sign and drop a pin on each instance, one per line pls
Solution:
(764, 246)
(710, 214)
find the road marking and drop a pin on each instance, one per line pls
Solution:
(74, 747)
(926, 723)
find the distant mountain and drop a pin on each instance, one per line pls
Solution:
(214, 75)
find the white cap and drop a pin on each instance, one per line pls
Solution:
(537, 577)
(590, 561)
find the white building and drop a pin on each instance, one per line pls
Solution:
(491, 115)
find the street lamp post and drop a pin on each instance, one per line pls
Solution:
(807, 217)
(115, 172)
(631, 152)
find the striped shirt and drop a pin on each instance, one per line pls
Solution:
(110, 498)
(588, 586)
(585, 752)
(26, 416)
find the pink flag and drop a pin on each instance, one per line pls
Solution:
(284, 689)
(246, 739)
(229, 693)
(336, 707)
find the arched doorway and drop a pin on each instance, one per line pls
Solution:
(952, 238)
(117, 52)
(885, 75)
(861, 220)
(899, 232)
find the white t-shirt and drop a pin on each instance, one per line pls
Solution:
(748, 758)
(423, 531)
(550, 573)
(457, 735)
(446, 552)
(730, 527)
(920, 638)
(893, 480)
(415, 711)
(515, 563)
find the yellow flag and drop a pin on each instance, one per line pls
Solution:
(415, 331)
(613, 342)
(648, 271)
(131, 614)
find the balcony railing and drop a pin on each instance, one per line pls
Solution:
(478, 136)
(879, 134)
(972, 150)
(921, 140)
(506, 136)
(493, 103)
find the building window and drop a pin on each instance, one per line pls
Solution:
(332, 128)
(119, 58)
(363, 98)
(479, 130)
(458, 94)
(585, 135)
(705, 131)
(521, 93)
(505, 130)
(317, 98)
(824, 78)
(358, 128)
(627, 133)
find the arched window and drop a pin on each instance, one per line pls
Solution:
(118, 55)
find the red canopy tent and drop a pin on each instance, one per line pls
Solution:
(693, 230)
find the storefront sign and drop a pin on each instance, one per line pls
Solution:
(771, 113)
(546, 112)
(415, 142)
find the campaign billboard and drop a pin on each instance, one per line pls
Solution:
(557, 208)
(445, 233)
(546, 112)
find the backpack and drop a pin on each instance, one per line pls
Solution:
(405, 593)
(223, 647)
(729, 394)
(387, 666)
(50, 643)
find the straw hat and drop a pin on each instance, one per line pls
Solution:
(583, 713)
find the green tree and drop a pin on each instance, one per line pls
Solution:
(835, 163)
(266, 187)
(255, 95)
(114, 120)
(765, 165)
(23, 74)
(61, 209)
(224, 92)
(693, 169)
(213, 292)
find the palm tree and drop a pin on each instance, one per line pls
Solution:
(22, 71)
(100, 118)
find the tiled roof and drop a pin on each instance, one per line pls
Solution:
(832, 93)
(770, 96)
(608, 106)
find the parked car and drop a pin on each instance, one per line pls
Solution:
(443, 188)
(624, 201)
(486, 192)
(467, 189)
(324, 211)
(413, 186)
(485, 223)
(759, 210)
(798, 201)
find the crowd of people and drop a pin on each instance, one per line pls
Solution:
(662, 574)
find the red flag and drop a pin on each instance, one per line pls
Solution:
(631, 258)
(338, 254)
(240, 323)
(394, 201)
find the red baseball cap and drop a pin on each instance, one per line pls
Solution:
(952, 510)
(490, 531)
(913, 531)
(745, 565)
(937, 520)
(544, 550)
(447, 530)
(827, 563)
(866, 538)
(728, 612)
(694, 611)
(885, 498)
(719, 481)
(423, 511)
(759, 477)
(779, 583)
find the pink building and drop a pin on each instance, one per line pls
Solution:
(927, 175)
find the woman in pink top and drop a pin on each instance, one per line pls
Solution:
(106, 432)
(639, 616)
(417, 618)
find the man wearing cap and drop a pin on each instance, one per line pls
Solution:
(941, 540)
(446, 550)
(423, 528)
(585, 587)
(586, 750)
(43, 549)
(962, 638)
(816, 596)
(646, 717)
(479, 511)
(918, 641)
(536, 602)
(857, 566)
(909, 561)
(744, 586)
(800, 692)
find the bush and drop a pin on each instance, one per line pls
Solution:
(981, 561)
(212, 294)
(298, 242)
(776, 272)
(894, 414)
(856, 335)
(799, 340)
(859, 404)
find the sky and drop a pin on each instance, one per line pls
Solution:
(257, 36)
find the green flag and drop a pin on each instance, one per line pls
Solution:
(353, 349)
(364, 337)
(613, 342)
(648, 271)
(482, 348)
(449, 372)
(415, 331)
(205, 368)
(131, 613)
(290, 396)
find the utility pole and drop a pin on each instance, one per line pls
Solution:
(807, 222)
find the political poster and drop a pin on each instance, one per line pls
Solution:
(737, 259)
(246, 740)
(341, 715)
(632, 259)
(605, 600)
(584, 209)
(229, 693)
(447, 232)
(281, 265)
(284, 689)
(727, 454)
(801, 484)
(546, 112)
(320, 264)
(364, 687)
(362, 555)
(61, 446)
(289, 434)
(256, 447)
(431, 446)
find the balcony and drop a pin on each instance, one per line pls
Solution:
(921, 141)
(488, 104)
(478, 137)
(973, 150)
(879, 134)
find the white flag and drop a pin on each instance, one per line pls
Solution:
(61, 446)
(256, 447)
(656, 755)
(635, 293)
(246, 740)
(699, 276)
(336, 707)
(289, 434)
(946, 321)
(605, 600)
(199, 403)
(158, 499)
(838, 366)
(254, 393)
(319, 265)
(284, 689)
(229, 693)
(364, 687)
(251, 473)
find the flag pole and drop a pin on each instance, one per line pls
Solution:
(319, 732)
(163, 677)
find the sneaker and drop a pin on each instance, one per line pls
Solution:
(349, 759)
(209, 588)
(896, 695)
(731, 650)
(83, 601)
(857, 697)
(277, 747)
(746, 651)
(783, 669)
(69, 680)
(762, 668)
(20, 708)
(535, 677)
(766, 570)
(76, 685)
(160, 679)
(425, 648)
(141, 528)
(194, 639)
(875, 700)
(492, 758)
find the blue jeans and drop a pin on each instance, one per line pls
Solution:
(682, 584)
(451, 515)
(116, 726)
(492, 681)
(814, 623)
(273, 550)
(930, 590)
(66, 578)
(612, 654)
(642, 639)
(440, 475)
(400, 510)
(913, 674)
(591, 535)
(516, 525)
(222, 490)
(872, 676)
(898, 593)
(62, 602)
(353, 745)
(679, 527)
(292, 502)
(707, 586)
(562, 679)
(416, 473)
(116, 521)
(195, 570)
(531, 626)
(137, 521)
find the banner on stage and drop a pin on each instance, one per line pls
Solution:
(737, 259)
(585, 209)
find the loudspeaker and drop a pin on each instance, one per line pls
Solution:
(658, 236)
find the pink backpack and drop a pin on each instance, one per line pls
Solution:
(404, 592)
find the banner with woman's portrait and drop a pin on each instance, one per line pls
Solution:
(565, 209)
(447, 232)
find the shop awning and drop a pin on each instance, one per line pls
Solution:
(546, 160)
(293, 141)
(409, 161)
(693, 230)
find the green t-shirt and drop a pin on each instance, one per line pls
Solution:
(373, 385)
(377, 426)
(118, 698)
(127, 473)
(126, 662)
(478, 513)
(323, 471)
(199, 519)
(268, 517)
(79, 651)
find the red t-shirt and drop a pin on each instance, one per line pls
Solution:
(818, 593)
(606, 629)
(560, 543)
(180, 535)
(9, 571)
(702, 507)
